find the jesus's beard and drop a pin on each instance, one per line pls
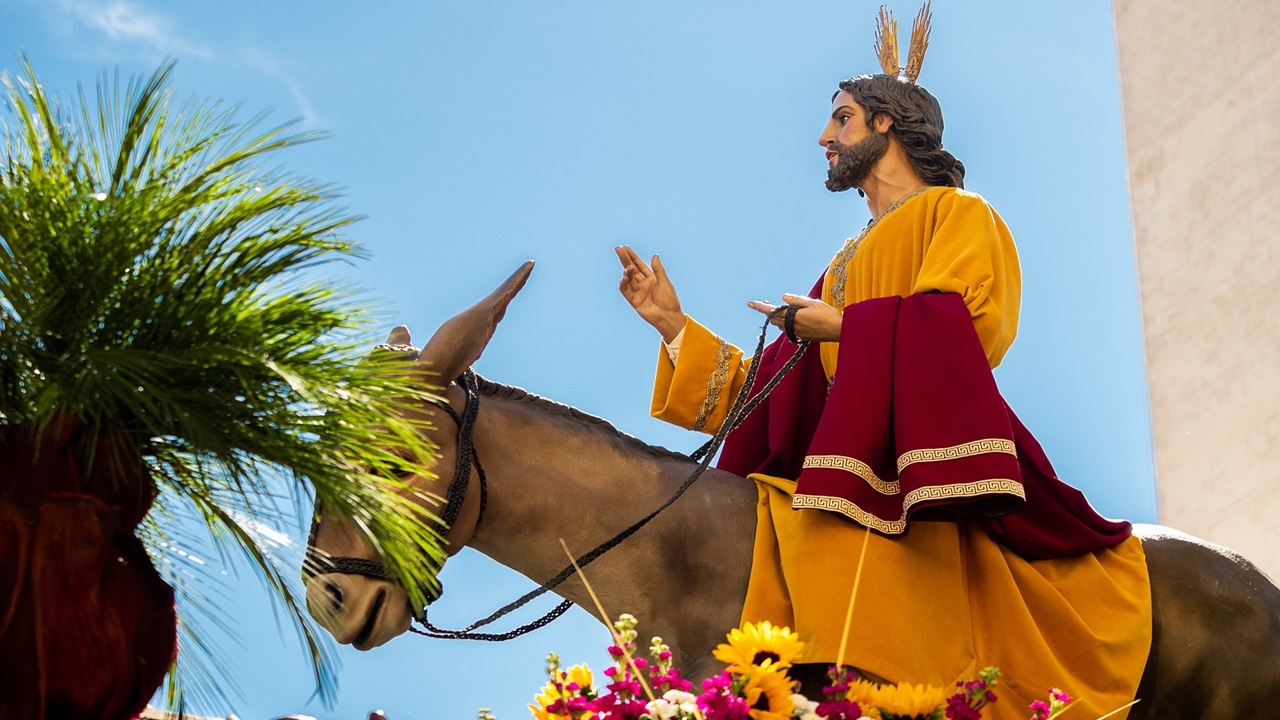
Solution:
(854, 162)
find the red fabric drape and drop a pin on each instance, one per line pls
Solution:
(87, 625)
(913, 427)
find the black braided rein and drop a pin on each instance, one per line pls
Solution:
(742, 407)
(317, 564)
(467, 454)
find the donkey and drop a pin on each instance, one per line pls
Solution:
(1215, 649)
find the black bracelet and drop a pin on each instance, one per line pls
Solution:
(789, 323)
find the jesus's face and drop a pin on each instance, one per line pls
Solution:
(852, 147)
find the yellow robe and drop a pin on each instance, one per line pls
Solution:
(941, 602)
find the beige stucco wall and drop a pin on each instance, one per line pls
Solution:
(1201, 87)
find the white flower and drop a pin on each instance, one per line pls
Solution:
(803, 708)
(674, 705)
(803, 705)
(688, 702)
(661, 709)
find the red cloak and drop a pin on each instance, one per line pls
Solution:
(912, 427)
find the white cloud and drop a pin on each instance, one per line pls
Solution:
(128, 25)
(271, 65)
(124, 22)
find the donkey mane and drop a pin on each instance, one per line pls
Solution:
(491, 388)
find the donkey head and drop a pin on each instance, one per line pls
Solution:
(366, 611)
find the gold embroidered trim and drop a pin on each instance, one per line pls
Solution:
(855, 466)
(895, 527)
(850, 510)
(718, 378)
(955, 452)
(989, 486)
(840, 264)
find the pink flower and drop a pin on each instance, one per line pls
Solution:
(717, 701)
(959, 708)
(835, 690)
(613, 707)
(627, 687)
(839, 710)
(973, 695)
(669, 680)
(839, 677)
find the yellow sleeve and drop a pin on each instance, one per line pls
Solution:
(971, 253)
(695, 391)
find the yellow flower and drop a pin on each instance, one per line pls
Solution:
(866, 695)
(861, 691)
(902, 699)
(763, 647)
(548, 695)
(580, 674)
(768, 694)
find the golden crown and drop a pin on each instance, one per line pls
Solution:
(887, 43)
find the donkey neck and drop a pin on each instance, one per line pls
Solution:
(555, 473)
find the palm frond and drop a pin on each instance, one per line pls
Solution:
(159, 276)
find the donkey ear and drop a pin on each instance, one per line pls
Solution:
(399, 336)
(460, 341)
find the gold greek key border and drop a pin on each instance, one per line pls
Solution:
(955, 452)
(895, 527)
(855, 466)
(848, 509)
(989, 486)
(717, 380)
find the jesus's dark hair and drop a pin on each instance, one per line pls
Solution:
(917, 124)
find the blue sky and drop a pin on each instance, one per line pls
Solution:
(473, 136)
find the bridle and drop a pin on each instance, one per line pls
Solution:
(316, 564)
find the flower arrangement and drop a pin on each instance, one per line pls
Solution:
(755, 685)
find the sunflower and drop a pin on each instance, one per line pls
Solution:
(903, 700)
(568, 709)
(548, 695)
(768, 694)
(579, 675)
(862, 692)
(762, 647)
(866, 694)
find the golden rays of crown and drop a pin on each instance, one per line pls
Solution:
(887, 43)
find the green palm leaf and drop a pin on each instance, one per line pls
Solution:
(159, 276)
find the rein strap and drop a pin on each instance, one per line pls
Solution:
(741, 409)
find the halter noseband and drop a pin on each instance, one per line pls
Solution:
(318, 564)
